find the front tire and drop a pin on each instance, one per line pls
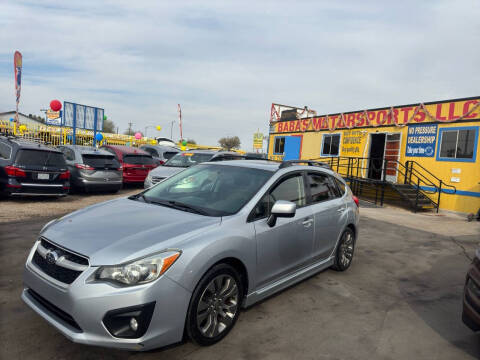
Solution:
(345, 249)
(215, 305)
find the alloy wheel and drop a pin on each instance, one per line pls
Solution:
(218, 306)
(346, 249)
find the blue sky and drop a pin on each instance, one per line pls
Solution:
(225, 62)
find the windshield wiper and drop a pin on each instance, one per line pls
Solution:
(139, 196)
(180, 206)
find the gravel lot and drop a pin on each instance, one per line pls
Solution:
(401, 298)
(16, 209)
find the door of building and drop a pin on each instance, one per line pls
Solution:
(292, 147)
(377, 150)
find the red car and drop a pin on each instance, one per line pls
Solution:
(136, 163)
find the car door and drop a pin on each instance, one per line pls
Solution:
(287, 245)
(329, 211)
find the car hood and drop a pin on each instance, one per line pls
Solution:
(121, 230)
(166, 171)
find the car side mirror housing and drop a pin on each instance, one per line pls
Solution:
(281, 208)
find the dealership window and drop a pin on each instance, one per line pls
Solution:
(331, 145)
(458, 144)
(279, 146)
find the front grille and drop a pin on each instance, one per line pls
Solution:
(55, 271)
(157, 179)
(54, 310)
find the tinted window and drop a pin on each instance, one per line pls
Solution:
(40, 158)
(188, 159)
(69, 154)
(321, 187)
(151, 151)
(5, 151)
(341, 186)
(138, 159)
(101, 161)
(217, 190)
(169, 154)
(331, 144)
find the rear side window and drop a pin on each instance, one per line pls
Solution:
(40, 158)
(5, 151)
(321, 187)
(101, 161)
(341, 187)
(138, 159)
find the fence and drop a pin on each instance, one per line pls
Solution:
(57, 135)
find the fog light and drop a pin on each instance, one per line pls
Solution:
(129, 323)
(133, 324)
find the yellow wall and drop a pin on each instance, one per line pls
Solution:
(355, 143)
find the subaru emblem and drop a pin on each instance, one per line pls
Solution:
(51, 257)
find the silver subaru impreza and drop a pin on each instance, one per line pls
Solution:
(184, 256)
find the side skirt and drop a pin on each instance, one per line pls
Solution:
(287, 281)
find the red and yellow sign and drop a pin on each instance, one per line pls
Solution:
(399, 116)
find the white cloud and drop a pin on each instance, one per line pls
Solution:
(226, 62)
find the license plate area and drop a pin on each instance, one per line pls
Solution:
(43, 176)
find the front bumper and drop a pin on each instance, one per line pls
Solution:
(78, 308)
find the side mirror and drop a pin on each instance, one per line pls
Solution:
(281, 208)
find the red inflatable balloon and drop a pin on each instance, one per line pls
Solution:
(55, 105)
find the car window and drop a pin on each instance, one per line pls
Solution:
(69, 154)
(5, 151)
(290, 189)
(217, 190)
(341, 186)
(39, 158)
(169, 154)
(187, 159)
(322, 187)
(151, 151)
(101, 161)
(138, 159)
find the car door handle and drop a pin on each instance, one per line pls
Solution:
(342, 209)
(307, 222)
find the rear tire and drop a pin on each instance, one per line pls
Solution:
(215, 305)
(345, 250)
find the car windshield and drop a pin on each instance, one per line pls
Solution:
(138, 159)
(208, 189)
(40, 158)
(187, 159)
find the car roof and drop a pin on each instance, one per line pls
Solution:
(127, 150)
(86, 149)
(272, 166)
(28, 144)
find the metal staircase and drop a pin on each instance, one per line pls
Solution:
(409, 184)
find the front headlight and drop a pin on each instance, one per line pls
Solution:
(139, 271)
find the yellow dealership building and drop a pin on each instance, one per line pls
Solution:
(428, 146)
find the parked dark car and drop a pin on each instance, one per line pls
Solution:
(185, 159)
(135, 162)
(29, 168)
(471, 295)
(92, 169)
(160, 153)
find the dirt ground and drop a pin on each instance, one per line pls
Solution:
(401, 299)
(17, 209)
